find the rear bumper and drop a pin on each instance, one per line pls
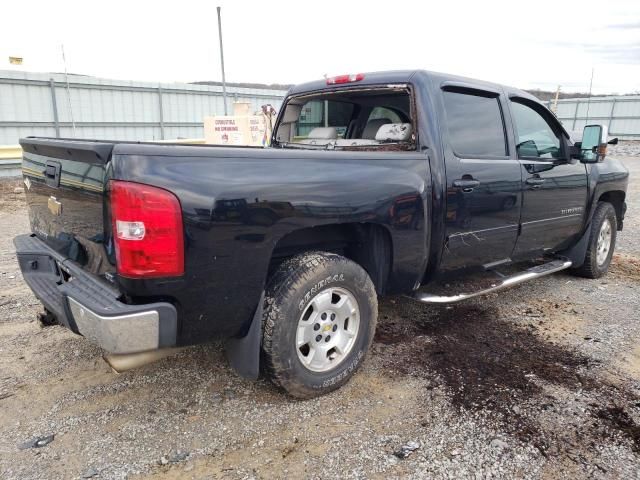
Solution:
(91, 307)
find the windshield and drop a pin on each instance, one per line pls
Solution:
(370, 119)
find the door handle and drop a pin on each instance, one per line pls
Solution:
(536, 182)
(466, 185)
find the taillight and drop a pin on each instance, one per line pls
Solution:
(147, 231)
(354, 77)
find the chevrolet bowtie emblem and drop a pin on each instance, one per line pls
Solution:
(55, 207)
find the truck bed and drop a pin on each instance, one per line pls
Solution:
(239, 205)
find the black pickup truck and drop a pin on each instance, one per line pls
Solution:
(373, 184)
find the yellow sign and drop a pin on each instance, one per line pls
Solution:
(15, 60)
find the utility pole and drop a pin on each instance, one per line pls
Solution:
(66, 78)
(224, 82)
(555, 101)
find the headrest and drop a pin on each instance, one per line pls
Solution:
(395, 132)
(372, 127)
(323, 133)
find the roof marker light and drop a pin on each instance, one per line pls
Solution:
(354, 77)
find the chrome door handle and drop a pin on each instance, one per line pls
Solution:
(535, 181)
(466, 184)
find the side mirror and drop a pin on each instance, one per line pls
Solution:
(593, 147)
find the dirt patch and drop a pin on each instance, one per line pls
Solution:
(557, 321)
(630, 362)
(626, 267)
(620, 420)
(12, 196)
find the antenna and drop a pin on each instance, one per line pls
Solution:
(589, 99)
(66, 78)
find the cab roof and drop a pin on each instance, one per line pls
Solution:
(415, 76)
(409, 76)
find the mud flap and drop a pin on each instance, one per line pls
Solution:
(578, 252)
(243, 353)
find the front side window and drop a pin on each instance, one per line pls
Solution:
(475, 125)
(534, 136)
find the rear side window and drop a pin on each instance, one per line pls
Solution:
(475, 125)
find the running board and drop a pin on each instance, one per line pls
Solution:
(529, 274)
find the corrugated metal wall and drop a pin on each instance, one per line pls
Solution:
(38, 104)
(620, 113)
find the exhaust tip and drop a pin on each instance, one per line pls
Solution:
(121, 362)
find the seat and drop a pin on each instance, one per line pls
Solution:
(372, 127)
(320, 136)
(323, 133)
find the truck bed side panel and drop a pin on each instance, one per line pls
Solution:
(238, 203)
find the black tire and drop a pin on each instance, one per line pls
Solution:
(591, 268)
(291, 288)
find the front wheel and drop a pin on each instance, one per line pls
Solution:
(319, 320)
(602, 242)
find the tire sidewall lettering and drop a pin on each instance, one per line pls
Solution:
(309, 294)
(345, 373)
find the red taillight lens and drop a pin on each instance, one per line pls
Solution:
(354, 77)
(147, 231)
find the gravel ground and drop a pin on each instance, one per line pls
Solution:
(541, 381)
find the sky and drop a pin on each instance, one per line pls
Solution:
(539, 44)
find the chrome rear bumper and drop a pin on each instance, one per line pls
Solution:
(89, 306)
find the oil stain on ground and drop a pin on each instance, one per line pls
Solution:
(505, 370)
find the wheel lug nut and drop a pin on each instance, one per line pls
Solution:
(335, 327)
(327, 338)
(323, 316)
(316, 326)
(333, 316)
(318, 338)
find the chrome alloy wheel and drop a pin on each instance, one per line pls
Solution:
(604, 242)
(327, 329)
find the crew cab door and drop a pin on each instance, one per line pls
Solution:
(483, 196)
(554, 187)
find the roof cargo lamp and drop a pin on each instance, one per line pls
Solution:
(351, 78)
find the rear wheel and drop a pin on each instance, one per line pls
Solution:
(319, 320)
(602, 242)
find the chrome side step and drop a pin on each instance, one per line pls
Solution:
(529, 274)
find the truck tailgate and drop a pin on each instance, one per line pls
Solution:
(65, 184)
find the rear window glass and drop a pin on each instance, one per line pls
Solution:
(368, 118)
(475, 125)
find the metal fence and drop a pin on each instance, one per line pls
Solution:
(88, 107)
(620, 113)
